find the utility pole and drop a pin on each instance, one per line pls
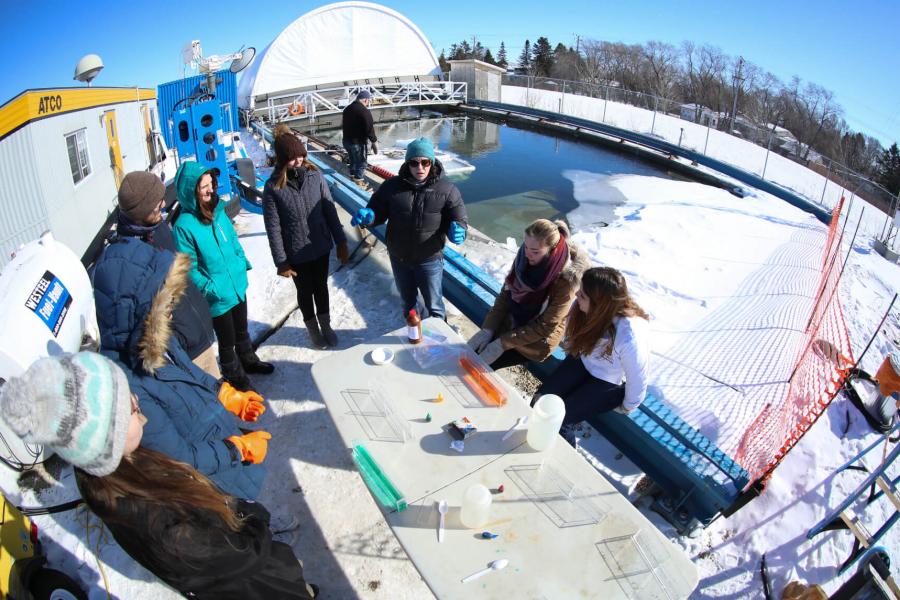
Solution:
(577, 43)
(737, 80)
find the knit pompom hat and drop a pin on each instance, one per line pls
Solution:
(420, 148)
(78, 405)
(287, 148)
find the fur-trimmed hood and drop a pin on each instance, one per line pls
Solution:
(578, 263)
(136, 288)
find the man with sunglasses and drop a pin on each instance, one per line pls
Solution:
(358, 129)
(422, 211)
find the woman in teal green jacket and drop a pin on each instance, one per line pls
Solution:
(204, 232)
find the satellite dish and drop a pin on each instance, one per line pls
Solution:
(243, 60)
(88, 68)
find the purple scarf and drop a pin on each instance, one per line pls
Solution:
(534, 295)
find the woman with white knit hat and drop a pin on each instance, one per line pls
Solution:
(164, 513)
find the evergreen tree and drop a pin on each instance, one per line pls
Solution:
(442, 61)
(478, 51)
(542, 57)
(489, 58)
(501, 56)
(525, 57)
(887, 169)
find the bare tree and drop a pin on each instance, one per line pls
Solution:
(591, 66)
(712, 78)
(811, 113)
(660, 71)
(764, 102)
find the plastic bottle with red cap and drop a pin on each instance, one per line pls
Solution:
(414, 327)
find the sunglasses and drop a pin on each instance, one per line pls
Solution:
(424, 163)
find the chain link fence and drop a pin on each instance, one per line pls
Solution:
(704, 130)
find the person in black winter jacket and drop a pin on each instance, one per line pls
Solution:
(165, 514)
(302, 226)
(358, 129)
(422, 211)
(141, 201)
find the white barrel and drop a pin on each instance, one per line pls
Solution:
(546, 418)
(476, 506)
(46, 305)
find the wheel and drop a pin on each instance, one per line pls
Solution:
(50, 584)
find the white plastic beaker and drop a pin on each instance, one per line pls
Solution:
(546, 419)
(476, 506)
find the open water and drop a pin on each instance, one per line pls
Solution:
(521, 174)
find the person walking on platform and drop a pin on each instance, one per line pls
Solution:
(164, 513)
(302, 226)
(141, 202)
(607, 341)
(422, 211)
(528, 318)
(358, 130)
(204, 232)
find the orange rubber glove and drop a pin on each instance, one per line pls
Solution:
(252, 446)
(247, 405)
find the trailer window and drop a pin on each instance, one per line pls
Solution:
(79, 161)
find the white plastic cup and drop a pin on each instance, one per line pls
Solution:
(476, 506)
(546, 418)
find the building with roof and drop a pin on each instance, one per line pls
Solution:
(63, 153)
(338, 45)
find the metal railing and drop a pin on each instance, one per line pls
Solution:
(837, 177)
(311, 104)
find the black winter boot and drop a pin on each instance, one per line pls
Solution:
(250, 360)
(325, 325)
(315, 336)
(233, 373)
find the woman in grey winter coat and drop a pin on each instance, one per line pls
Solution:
(302, 226)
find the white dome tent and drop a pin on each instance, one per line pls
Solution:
(342, 42)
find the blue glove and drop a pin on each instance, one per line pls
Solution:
(457, 233)
(364, 216)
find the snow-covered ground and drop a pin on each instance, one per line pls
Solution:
(690, 252)
(716, 144)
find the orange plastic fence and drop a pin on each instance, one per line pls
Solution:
(820, 369)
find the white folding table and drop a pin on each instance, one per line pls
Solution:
(564, 529)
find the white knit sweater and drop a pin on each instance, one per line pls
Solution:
(630, 359)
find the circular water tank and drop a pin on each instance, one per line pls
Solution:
(46, 306)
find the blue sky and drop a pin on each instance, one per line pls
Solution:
(851, 48)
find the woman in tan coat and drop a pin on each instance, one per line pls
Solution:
(528, 318)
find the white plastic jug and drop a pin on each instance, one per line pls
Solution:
(546, 418)
(476, 506)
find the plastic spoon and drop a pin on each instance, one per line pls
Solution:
(494, 565)
(519, 422)
(442, 508)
